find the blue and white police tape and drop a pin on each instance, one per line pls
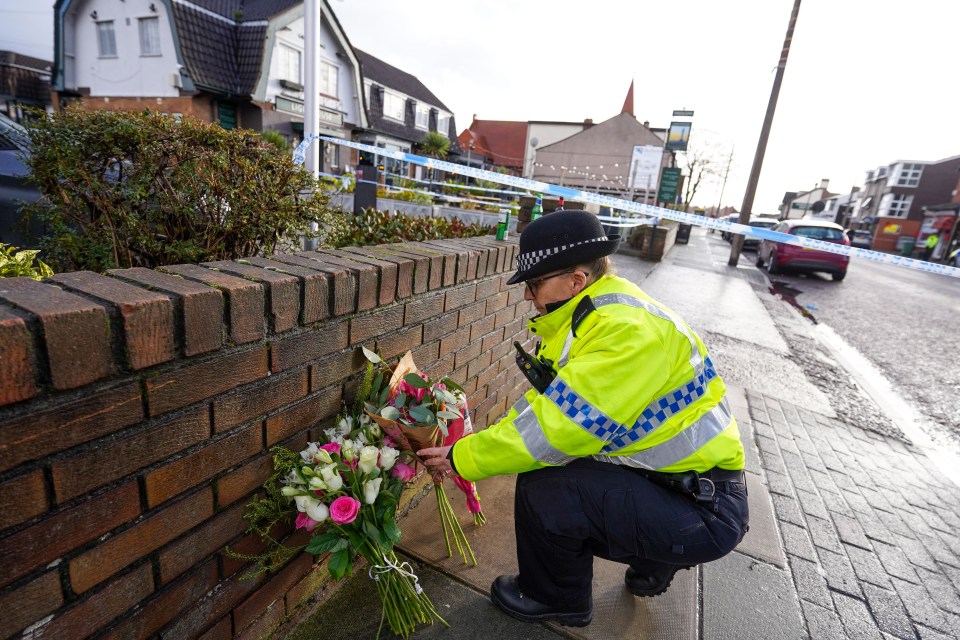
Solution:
(567, 193)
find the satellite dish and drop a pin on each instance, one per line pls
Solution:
(534, 142)
(818, 206)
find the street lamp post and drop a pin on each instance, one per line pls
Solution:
(745, 210)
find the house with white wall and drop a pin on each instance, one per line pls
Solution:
(235, 62)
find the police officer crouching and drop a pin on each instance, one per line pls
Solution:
(625, 448)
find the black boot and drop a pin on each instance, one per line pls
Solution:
(651, 585)
(505, 593)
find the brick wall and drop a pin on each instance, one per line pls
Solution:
(137, 408)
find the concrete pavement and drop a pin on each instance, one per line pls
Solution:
(853, 533)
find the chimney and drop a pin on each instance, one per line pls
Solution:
(587, 123)
(825, 184)
(646, 123)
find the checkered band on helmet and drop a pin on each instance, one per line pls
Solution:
(526, 261)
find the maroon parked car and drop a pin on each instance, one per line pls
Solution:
(787, 257)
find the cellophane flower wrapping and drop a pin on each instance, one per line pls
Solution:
(416, 412)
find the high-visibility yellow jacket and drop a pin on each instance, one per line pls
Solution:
(634, 386)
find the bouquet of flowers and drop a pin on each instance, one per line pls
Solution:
(350, 486)
(416, 412)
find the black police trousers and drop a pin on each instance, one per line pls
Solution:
(564, 516)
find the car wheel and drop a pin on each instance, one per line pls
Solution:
(839, 276)
(772, 267)
(759, 260)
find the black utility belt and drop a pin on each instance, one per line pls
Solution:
(699, 486)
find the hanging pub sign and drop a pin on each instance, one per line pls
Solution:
(677, 136)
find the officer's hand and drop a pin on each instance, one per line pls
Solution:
(435, 459)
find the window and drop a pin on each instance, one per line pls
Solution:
(149, 36)
(443, 124)
(895, 205)
(818, 233)
(423, 117)
(289, 60)
(909, 175)
(393, 106)
(328, 79)
(106, 39)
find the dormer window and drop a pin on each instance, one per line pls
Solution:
(443, 124)
(393, 106)
(106, 39)
(423, 117)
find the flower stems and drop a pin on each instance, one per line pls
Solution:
(451, 527)
(404, 603)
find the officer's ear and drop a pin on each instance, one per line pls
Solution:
(581, 278)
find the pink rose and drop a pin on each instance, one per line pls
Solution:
(344, 510)
(305, 522)
(403, 471)
(331, 447)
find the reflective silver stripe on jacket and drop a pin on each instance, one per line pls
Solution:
(528, 426)
(680, 446)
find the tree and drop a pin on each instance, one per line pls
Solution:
(434, 145)
(699, 163)
(124, 189)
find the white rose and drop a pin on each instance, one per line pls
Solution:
(388, 457)
(368, 459)
(331, 478)
(371, 489)
(315, 509)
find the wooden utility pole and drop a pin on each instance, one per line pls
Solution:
(745, 210)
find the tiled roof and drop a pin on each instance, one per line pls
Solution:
(387, 76)
(392, 78)
(220, 52)
(499, 141)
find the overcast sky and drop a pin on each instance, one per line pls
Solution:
(867, 83)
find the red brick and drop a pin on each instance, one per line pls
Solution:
(144, 317)
(437, 260)
(282, 291)
(249, 545)
(496, 303)
(18, 369)
(471, 313)
(454, 341)
(265, 624)
(440, 326)
(201, 465)
(76, 331)
(503, 317)
(423, 308)
(395, 344)
(160, 610)
(147, 535)
(317, 341)
(30, 603)
(210, 609)
(245, 300)
(343, 285)
(199, 308)
(488, 288)
(482, 327)
(115, 458)
(491, 338)
(303, 415)
(368, 326)
(404, 268)
(95, 612)
(206, 540)
(22, 498)
(69, 529)
(223, 630)
(38, 434)
(466, 260)
(186, 385)
(426, 356)
(515, 295)
(486, 256)
(272, 591)
(242, 481)
(314, 288)
(444, 275)
(367, 276)
(387, 274)
(460, 296)
(336, 368)
(466, 354)
(421, 263)
(254, 402)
